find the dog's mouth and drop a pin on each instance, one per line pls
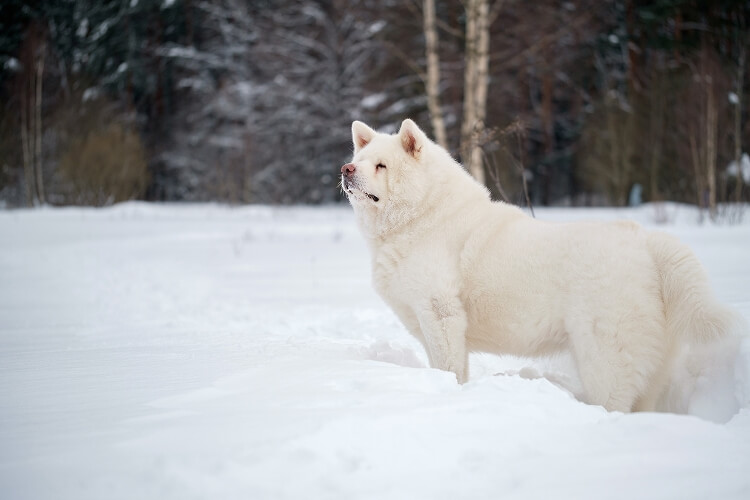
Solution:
(350, 188)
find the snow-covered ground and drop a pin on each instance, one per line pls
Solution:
(178, 352)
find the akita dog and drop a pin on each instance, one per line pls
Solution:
(464, 273)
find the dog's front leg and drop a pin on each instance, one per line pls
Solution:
(443, 324)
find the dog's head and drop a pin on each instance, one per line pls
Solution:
(385, 174)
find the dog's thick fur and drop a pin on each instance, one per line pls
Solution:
(465, 274)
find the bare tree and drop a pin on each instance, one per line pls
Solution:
(475, 85)
(30, 82)
(38, 79)
(738, 102)
(656, 118)
(703, 133)
(711, 132)
(432, 83)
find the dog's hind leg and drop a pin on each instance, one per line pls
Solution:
(617, 359)
(651, 399)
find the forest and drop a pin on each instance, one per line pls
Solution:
(577, 103)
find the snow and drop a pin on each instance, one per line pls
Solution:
(373, 100)
(101, 30)
(744, 168)
(83, 28)
(90, 94)
(12, 64)
(377, 27)
(201, 351)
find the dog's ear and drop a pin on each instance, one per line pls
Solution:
(361, 135)
(412, 138)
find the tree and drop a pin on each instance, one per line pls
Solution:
(742, 40)
(314, 67)
(30, 85)
(475, 85)
(432, 81)
(252, 101)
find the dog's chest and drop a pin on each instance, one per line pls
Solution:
(392, 275)
(385, 270)
(394, 282)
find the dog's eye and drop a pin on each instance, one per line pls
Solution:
(379, 166)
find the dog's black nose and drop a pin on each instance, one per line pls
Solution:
(348, 169)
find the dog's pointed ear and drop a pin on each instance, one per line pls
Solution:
(361, 135)
(412, 138)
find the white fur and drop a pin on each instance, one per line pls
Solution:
(465, 274)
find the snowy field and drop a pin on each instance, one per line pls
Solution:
(180, 352)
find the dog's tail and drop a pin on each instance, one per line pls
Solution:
(690, 308)
(706, 374)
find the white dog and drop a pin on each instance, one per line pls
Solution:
(465, 274)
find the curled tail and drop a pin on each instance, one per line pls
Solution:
(690, 308)
(706, 374)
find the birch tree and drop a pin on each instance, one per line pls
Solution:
(475, 85)
(432, 82)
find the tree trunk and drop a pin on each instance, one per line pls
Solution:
(26, 149)
(475, 85)
(432, 85)
(696, 157)
(30, 85)
(656, 126)
(711, 125)
(548, 126)
(469, 118)
(38, 75)
(615, 148)
(482, 83)
(738, 124)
